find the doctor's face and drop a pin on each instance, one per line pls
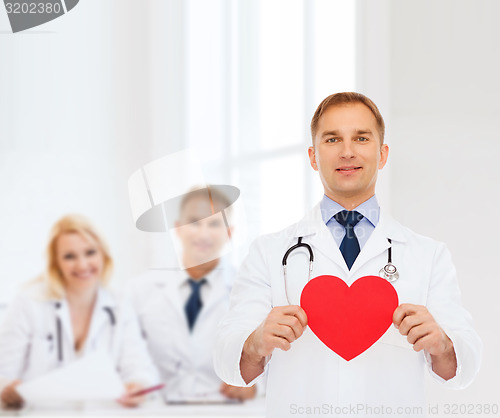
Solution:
(202, 233)
(347, 152)
(80, 261)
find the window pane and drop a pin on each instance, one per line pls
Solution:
(281, 108)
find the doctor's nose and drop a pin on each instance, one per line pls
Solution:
(347, 150)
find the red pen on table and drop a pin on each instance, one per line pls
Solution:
(147, 390)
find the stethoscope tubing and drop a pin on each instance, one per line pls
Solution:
(293, 247)
(59, 340)
(60, 351)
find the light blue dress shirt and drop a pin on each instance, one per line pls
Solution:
(363, 229)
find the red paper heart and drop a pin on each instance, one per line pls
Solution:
(349, 320)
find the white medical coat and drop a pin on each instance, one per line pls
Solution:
(29, 337)
(312, 380)
(183, 358)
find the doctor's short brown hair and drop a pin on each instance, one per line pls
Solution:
(346, 98)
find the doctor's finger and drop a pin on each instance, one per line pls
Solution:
(410, 322)
(402, 311)
(418, 332)
(282, 343)
(302, 316)
(296, 311)
(293, 323)
(284, 331)
(426, 342)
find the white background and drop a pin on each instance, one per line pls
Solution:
(93, 96)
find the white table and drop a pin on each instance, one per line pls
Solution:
(250, 409)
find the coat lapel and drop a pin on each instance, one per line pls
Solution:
(320, 237)
(172, 293)
(100, 317)
(219, 292)
(378, 241)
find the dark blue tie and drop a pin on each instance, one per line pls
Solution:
(194, 304)
(349, 247)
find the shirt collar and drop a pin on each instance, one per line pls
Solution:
(104, 299)
(210, 277)
(369, 209)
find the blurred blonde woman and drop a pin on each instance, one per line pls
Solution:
(68, 313)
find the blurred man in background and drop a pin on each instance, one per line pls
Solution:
(179, 309)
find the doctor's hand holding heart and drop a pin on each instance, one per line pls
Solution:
(416, 322)
(281, 328)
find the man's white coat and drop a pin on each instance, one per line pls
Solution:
(310, 379)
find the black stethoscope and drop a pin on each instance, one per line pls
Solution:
(389, 272)
(60, 351)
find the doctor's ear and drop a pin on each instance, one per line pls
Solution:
(312, 158)
(384, 154)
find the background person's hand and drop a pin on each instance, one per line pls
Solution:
(10, 396)
(128, 399)
(236, 392)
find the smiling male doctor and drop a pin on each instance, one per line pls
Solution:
(349, 236)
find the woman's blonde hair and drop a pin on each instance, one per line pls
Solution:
(72, 224)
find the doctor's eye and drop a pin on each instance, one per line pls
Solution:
(91, 252)
(69, 256)
(332, 140)
(363, 139)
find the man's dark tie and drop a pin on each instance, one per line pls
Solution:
(349, 246)
(194, 304)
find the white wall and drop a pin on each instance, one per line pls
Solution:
(441, 81)
(74, 123)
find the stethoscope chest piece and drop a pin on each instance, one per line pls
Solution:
(389, 272)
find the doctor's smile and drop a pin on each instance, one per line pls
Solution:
(348, 170)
